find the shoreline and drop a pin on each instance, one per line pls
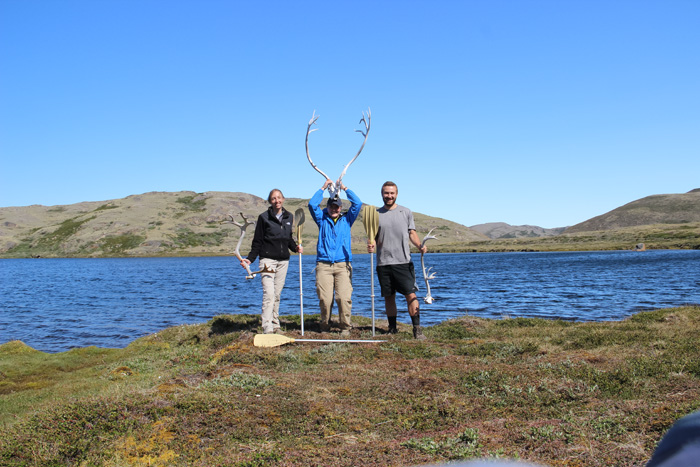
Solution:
(465, 249)
(292, 327)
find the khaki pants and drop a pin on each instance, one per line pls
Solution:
(272, 285)
(334, 280)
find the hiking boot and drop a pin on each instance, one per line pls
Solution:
(418, 333)
(345, 333)
(325, 327)
(392, 330)
(279, 331)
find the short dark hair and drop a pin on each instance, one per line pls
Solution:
(388, 183)
(269, 197)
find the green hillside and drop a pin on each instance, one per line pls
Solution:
(164, 224)
(189, 224)
(657, 209)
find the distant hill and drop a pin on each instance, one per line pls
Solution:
(188, 224)
(167, 224)
(502, 230)
(657, 209)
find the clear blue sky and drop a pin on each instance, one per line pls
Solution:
(520, 111)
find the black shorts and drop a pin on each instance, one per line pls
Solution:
(399, 278)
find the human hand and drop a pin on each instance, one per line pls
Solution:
(300, 249)
(245, 263)
(370, 247)
(327, 184)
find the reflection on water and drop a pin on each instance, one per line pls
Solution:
(57, 304)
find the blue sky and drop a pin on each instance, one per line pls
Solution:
(526, 112)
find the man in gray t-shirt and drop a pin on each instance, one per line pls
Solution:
(393, 237)
(395, 270)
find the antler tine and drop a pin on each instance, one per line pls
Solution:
(246, 221)
(367, 120)
(428, 237)
(314, 117)
(229, 221)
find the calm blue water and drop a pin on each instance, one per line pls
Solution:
(57, 304)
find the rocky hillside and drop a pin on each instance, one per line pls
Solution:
(165, 224)
(657, 209)
(502, 230)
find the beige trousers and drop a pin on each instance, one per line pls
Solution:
(334, 280)
(272, 285)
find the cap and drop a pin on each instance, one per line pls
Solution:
(335, 201)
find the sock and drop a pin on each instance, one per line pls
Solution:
(392, 321)
(416, 319)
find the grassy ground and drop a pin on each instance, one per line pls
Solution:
(553, 392)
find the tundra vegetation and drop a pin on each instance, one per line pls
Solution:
(655, 237)
(554, 392)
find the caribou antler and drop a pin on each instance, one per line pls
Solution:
(334, 188)
(308, 132)
(427, 275)
(246, 223)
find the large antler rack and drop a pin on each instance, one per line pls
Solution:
(334, 188)
(243, 226)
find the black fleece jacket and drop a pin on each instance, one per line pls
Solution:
(273, 238)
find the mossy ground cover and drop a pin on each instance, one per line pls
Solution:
(553, 392)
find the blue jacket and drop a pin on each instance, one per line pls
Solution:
(334, 237)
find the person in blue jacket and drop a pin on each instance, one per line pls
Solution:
(334, 256)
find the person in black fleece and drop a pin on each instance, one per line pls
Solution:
(272, 242)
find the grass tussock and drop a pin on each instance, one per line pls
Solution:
(552, 392)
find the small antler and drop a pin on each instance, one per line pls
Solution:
(334, 188)
(427, 275)
(265, 268)
(246, 223)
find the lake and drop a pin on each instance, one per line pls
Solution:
(57, 304)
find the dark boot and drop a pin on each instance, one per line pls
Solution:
(392, 325)
(418, 333)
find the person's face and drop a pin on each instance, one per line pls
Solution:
(333, 211)
(389, 194)
(276, 200)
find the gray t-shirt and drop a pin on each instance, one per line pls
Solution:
(393, 244)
